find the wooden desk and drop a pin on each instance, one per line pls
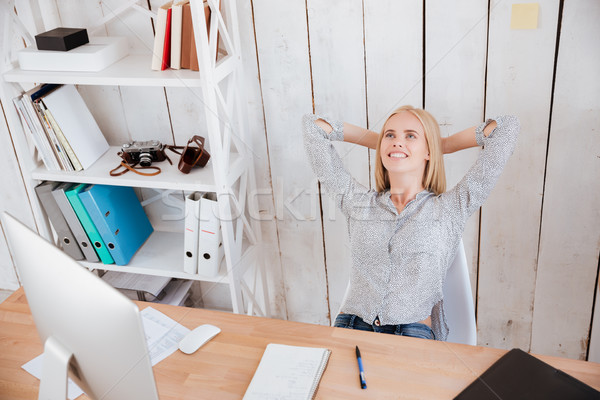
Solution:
(395, 367)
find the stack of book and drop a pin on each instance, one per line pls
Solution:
(95, 222)
(61, 127)
(157, 289)
(174, 43)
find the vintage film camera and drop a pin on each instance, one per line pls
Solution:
(144, 153)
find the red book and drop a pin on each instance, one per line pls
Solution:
(166, 58)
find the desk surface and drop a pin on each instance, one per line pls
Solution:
(395, 367)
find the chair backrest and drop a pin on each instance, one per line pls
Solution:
(458, 301)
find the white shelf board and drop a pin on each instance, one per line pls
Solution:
(161, 255)
(199, 179)
(133, 70)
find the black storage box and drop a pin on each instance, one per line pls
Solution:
(61, 39)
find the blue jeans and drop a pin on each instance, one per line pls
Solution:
(415, 329)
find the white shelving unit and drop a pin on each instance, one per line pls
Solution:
(132, 70)
(230, 166)
(199, 179)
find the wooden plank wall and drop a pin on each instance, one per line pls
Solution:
(519, 81)
(533, 248)
(570, 236)
(285, 76)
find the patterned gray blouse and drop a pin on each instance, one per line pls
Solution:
(399, 261)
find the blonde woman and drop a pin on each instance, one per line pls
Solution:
(404, 234)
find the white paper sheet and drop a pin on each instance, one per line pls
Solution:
(163, 334)
(162, 338)
(34, 367)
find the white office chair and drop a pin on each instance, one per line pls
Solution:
(458, 301)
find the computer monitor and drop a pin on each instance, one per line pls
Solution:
(90, 331)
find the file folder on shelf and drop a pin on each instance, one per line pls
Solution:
(58, 221)
(119, 218)
(190, 235)
(210, 246)
(67, 211)
(87, 223)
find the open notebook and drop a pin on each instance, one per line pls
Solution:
(288, 373)
(520, 376)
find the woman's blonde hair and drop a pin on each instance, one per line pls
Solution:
(434, 176)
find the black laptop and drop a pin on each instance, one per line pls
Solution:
(518, 375)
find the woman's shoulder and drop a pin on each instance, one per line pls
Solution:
(372, 195)
(373, 198)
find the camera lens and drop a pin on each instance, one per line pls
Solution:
(145, 159)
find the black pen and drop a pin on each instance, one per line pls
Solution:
(363, 383)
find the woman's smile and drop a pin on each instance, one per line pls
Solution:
(397, 155)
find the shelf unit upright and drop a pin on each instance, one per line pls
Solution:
(230, 172)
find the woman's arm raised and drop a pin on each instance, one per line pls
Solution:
(319, 133)
(355, 134)
(464, 139)
(471, 191)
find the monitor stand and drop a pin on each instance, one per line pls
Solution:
(55, 370)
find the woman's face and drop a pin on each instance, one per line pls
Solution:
(404, 146)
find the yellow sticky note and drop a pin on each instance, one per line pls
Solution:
(524, 16)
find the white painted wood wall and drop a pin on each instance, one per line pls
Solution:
(533, 249)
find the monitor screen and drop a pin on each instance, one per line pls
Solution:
(87, 327)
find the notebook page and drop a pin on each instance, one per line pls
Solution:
(288, 373)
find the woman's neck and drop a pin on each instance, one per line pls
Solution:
(403, 189)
